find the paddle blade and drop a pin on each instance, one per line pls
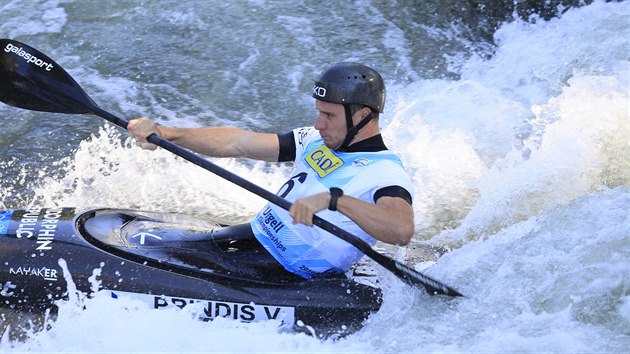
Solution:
(31, 80)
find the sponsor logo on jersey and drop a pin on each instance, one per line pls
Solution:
(323, 161)
(271, 226)
(362, 162)
(301, 134)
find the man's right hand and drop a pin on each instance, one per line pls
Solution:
(140, 129)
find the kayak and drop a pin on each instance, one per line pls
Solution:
(166, 260)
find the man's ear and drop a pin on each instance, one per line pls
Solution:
(365, 111)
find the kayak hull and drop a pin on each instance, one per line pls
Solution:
(166, 260)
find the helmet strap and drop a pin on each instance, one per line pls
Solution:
(353, 130)
(349, 123)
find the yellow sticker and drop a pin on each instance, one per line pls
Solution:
(323, 161)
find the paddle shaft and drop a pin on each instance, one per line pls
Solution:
(407, 274)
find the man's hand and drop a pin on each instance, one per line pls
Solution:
(303, 209)
(140, 129)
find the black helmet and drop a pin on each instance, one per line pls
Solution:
(351, 83)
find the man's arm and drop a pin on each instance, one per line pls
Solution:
(389, 220)
(210, 141)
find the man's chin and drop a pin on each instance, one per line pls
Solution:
(331, 145)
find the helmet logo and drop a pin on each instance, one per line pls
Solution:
(319, 91)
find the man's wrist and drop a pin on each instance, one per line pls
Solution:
(335, 194)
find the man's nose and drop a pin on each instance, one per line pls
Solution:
(320, 123)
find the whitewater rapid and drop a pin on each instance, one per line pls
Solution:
(522, 170)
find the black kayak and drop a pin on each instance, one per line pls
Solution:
(166, 260)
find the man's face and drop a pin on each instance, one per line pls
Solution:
(331, 123)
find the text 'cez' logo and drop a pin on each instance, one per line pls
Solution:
(323, 161)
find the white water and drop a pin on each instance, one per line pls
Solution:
(522, 167)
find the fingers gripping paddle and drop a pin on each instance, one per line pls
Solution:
(31, 80)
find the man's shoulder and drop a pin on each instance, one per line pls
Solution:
(304, 135)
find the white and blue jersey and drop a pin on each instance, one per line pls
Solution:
(309, 251)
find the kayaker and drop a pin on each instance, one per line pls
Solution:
(343, 172)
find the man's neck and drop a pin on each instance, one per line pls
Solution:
(369, 130)
(367, 139)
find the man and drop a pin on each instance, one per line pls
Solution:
(343, 172)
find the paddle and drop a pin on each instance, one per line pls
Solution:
(31, 80)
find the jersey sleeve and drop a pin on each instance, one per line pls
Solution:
(391, 180)
(393, 191)
(287, 147)
(293, 144)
